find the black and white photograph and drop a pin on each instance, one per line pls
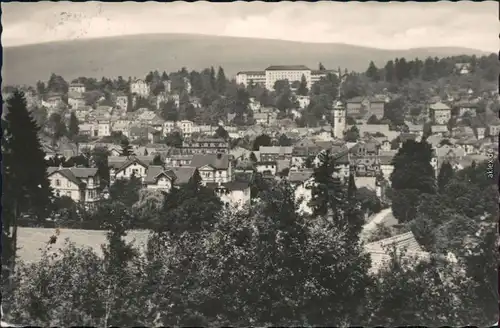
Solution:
(250, 164)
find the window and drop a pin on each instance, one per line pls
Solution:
(68, 193)
(68, 184)
(58, 182)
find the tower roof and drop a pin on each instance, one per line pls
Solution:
(338, 104)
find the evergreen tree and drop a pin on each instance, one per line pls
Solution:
(302, 89)
(445, 175)
(146, 153)
(321, 67)
(351, 187)
(195, 180)
(25, 186)
(330, 199)
(252, 157)
(372, 72)
(213, 79)
(221, 81)
(126, 148)
(58, 127)
(99, 159)
(413, 175)
(262, 140)
(389, 71)
(221, 133)
(73, 128)
(157, 160)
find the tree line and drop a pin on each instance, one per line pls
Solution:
(399, 69)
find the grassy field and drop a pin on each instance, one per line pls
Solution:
(137, 55)
(32, 240)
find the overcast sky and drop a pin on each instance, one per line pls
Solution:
(392, 25)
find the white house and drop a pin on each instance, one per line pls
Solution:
(140, 87)
(235, 193)
(104, 128)
(267, 167)
(213, 168)
(124, 168)
(75, 100)
(76, 87)
(80, 184)
(122, 101)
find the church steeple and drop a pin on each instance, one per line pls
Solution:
(339, 111)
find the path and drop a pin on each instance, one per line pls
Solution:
(376, 219)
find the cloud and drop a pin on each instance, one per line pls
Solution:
(382, 25)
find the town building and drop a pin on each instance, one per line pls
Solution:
(292, 73)
(76, 88)
(440, 113)
(78, 183)
(213, 168)
(140, 88)
(205, 146)
(339, 120)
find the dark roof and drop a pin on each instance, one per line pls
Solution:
(237, 185)
(252, 72)
(218, 161)
(182, 173)
(74, 174)
(287, 68)
(247, 176)
(130, 161)
(155, 171)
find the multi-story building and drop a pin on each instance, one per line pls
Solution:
(205, 146)
(275, 153)
(79, 184)
(76, 87)
(214, 168)
(122, 101)
(140, 87)
(440, 113)
(75, 100)
(104, 128)
(274, 73)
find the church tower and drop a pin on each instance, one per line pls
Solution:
(339, 120)
(339, 111)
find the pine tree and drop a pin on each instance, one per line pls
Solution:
(321, 67)
(351, 187)
(221, 81)
(302, 89)
(146, 152)
(213, 78)
(252, 157)
(445, 175)
(389, 71)
(372, 71)
(25, 184)
(73, 128)
(157, 160)
(126, 148)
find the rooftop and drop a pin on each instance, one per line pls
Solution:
(287, 68)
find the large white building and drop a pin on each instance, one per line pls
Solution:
(140, 87)
(270, 75)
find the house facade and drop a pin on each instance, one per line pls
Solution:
(79, 184)
(140, 88)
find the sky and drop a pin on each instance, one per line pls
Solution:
(392, 25)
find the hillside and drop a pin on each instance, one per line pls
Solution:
(138, 54)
